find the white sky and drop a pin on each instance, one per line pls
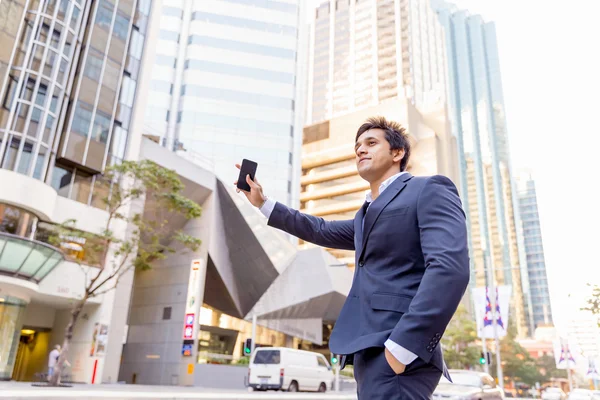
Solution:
(550, 64)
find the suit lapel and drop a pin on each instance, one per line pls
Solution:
(358, 228)
(378, 205)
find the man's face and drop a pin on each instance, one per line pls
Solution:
(373, 156)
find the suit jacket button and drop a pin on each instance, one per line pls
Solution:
(361, 263)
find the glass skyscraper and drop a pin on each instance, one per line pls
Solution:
(534, 249)
(477, 117)
(68, 71)
(224, 86)
(365, 52)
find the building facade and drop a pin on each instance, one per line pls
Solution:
(477, 119)
(68, 73)
(225, 86)
(534, 250)
(364, 52)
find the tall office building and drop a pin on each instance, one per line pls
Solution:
(371, 58)
(534, 250)
(364, 52)
(224, 86)
(477, 118)
(68, 72)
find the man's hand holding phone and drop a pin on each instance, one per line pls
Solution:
(255, 196)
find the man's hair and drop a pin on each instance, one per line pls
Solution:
(395, 134)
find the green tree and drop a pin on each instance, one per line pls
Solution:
(129, 187)
(517, 363)
(593, 302)
(461, 350)
(547, 367)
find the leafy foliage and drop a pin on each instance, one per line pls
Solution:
(461, 350)
(593, 302)
(517, 363)
(147, 239)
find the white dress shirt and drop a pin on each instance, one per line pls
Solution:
(401, 354)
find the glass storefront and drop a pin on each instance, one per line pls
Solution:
(11, 316)
(222, 337)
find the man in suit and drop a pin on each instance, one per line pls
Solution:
(412, 266)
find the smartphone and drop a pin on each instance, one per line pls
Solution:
(248, 168)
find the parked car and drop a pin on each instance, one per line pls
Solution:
(468, 385)
(281, 368)
(581, 394)
(553, 393)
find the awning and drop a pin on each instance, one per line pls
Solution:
(27, 259)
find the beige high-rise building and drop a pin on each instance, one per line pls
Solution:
(364, 52)
(331, 187)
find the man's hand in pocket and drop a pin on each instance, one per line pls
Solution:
(396, 365)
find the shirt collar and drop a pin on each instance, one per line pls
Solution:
(384, 185)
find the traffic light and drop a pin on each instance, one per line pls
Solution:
(485, 358)
(482, 358)
(248, 347)
(334, 359)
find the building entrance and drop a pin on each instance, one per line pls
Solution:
(31, 361)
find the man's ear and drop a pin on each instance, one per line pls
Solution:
(398, 155)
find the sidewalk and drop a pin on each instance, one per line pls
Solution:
(24, 390)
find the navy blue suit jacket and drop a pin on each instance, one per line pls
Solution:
(412, 265)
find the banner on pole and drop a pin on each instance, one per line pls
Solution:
(484, 314)
(592, 372)
(564, 354)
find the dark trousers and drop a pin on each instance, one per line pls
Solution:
(376, 380)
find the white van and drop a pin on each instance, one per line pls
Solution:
(281, 368)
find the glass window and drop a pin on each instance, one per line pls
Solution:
(111, 74)
(322, 362)
(144, 6)
(119, 142)
(244, 23)
(128, 91)
(235, 70)
(172, 12)
(136, 44)
(267, 357)
(237, 96)
(40, 162)
(93, 65)
(242, 47)
(100, 193)
(121, 28)
(16, 221)
(268, 4)
(165, 60)
(82, 118)
(61, 179)
(101, 126)
(11, 316)
(82, 186)
(168, 35)
(104, 14)
(161, 86)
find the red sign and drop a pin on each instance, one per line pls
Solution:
(188, 330)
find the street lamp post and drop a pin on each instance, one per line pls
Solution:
(492, 281)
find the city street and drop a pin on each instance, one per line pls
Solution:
(21, 390)
(14, 391)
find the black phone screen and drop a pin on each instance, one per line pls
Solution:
(248, 168)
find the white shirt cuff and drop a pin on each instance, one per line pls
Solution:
(268, 207)
(400, 353)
